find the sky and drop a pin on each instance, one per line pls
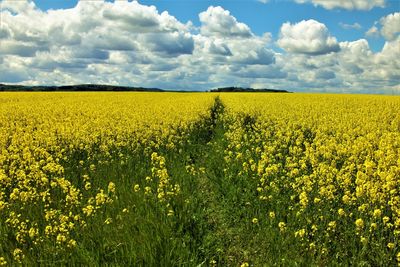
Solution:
(340, 46)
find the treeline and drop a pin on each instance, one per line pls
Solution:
(241, 89)
(80, 87)
(112, 88)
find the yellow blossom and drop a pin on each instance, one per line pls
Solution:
(377, 213)
(282, 226)
(359, 223)
(71, 243)
(61, 238)
(136, 188)
(272, 215)
(300, 233)
(88, 210)
(386, 219)
(364, 241)
(111, 187)
(18, 255)
(341, 212)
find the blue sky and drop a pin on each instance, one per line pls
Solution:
(304, 45)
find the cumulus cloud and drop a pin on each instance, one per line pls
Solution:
(230, 41)
(170, 44)
(387, 60)
(261, 71)
(355, 68)
(135, 17)
(390, 26)
(219, 22)
(20, 7)
(346, 4)
(307, 37)
(88, 33)
(218, 48)
(257, 55)
(10, 47)
(325, 75)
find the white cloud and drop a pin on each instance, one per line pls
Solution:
(263, 1)
(346, 4)
(388, 61)
(170, 44)
(261, 71)
(355, 68)
(219, 22)
(230, 41)
(387, 27)
(372, 32)
(354, 26)
(366, 69)
(135, 17)
(307, 37)
(21, 6)
(11, 47)
(256, 54)
(390, 26)
(324, 75)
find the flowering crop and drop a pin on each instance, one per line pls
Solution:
(51, 145)
(186, 179)
(327, 166)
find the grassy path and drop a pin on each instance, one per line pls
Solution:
(218, 202)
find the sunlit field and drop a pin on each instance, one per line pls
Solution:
(199, 179)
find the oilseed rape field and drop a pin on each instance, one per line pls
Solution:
(199, 179)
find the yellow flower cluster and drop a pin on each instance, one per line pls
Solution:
(160, 184)
(327, 166)
(52, 144)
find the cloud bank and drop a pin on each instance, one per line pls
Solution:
(129, 43)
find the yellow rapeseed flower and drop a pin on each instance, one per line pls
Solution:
(377, 213)
(18, 255)
(272, 215)
(111, 187)
(282, 226)
(359, 223)
(341, 212)
(3, 261)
